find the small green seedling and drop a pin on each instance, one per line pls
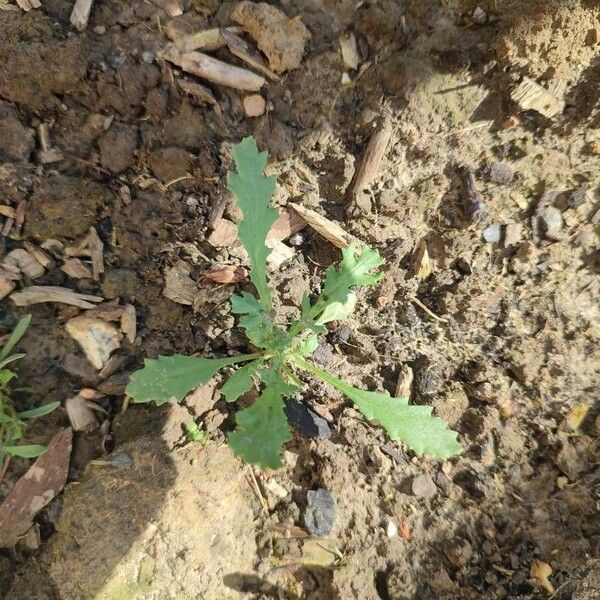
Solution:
(193, 433)
(281, 352)
(12, 422)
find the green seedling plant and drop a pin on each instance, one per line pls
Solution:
(283, 352)
(12, 422)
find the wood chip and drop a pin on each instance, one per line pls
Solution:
(96, 337)
(37, 294)
(25, 262)
(179, 286)
(81, 416)
(173, 8)
(331, 231)
(40, 255)
(238, 47)
(108, 311)
(129, 322)
(7, 211)
(42, 482)
(12, 274)
(96, 248)
(349, 49)
(226, 275)
(114, 364)
(373, 157)
(421, 263)
(76, 268)
(530, 95)
(198, 91)
(254, 105)
(6, 287)
(27, 5)
(215, 70)
(224, 233)
(207, 40)
(405, 382)
(288, 223)
(80, 14)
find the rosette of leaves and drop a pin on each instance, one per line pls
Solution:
(283, 352)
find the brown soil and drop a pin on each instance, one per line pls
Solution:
(512, 347)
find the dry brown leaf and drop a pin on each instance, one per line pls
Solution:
(129, 322)
(43, 481)
(226, 275)
(540, 571)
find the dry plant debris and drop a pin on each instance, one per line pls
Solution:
(43, 481)
(281, 39)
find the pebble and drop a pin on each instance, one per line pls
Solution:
(308, 423)
(552, 222)
(320, 512)
(423, 486)
(492, 234)
(297, 239)
(120, 460)
(114, 62)
(391, 529)
(458, 551)
(512, 234)
(148, 57)
(578, 196)
(501, 173)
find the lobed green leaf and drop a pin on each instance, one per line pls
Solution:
(253, 191)
(412, 424)
(172, 377)
(262, 429)
(241, 381)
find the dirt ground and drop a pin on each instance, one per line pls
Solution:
(500, 329)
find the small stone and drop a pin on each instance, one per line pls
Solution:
(224, 233)
(320, 512)
(120, 460)
(551, 221)
(391, 529)
(308, 423)
(512, 234)
(114, 62)
(578, 196)
(458, 551)
(148, 57)
(492, 234)
(479, 16)
(100, 30)
(423, 486)
(297, 239)
(254, 105)
(501, 173)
